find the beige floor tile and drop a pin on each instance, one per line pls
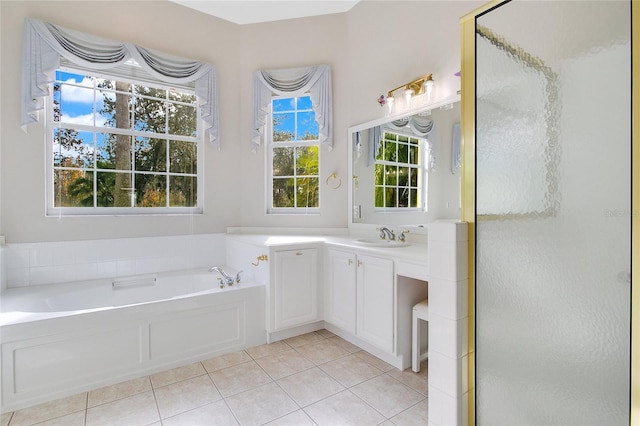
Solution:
(418, 415)
(284, 364)
(185, 395)
(50, 410)
(135, 410)
(5, 417)
(267, 349)
(304, 339)
(177, 374)
(347, 346)
(297, 418)
(321, 352)
(416, 381)
(226, 360)
(74, 419)
(261, 405)
(310, 386)
(343, 408)
(387, 395)
(350, 370)
(239, 378)
(118, 391)
(216, 413)
(375, 361)
(325, 333)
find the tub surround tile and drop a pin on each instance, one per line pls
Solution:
(387, 395)
(50, 410)
(226, 360)
(135, 410)
(344, 408)
(350, 370)
(261, 405)
(284, 364)
(215, 413)
(239, 378)
(178, 374)
(185, 395)
(310, 386)
(118, 391)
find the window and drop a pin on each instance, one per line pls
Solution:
(122, 147)
(399, 172)
(293, 156)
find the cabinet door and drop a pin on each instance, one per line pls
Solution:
(375, 301)
(296, 287)
(341, 294)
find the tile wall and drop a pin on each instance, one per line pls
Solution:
(31, 264)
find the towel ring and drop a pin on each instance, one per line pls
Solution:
(334, 176)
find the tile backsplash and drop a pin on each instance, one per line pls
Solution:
(27, 264)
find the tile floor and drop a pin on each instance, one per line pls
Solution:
(314, 379)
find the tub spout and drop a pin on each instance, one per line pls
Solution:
(228, 279)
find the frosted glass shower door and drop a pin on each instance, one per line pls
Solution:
(553, 201)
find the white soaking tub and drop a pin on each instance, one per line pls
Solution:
(57, 340)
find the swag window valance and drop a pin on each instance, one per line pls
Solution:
(315, 80)
(47, 45)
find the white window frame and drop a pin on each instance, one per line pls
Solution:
(51, 210)
(423, 177)
(270, 144)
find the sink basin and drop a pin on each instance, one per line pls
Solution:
(377, 242)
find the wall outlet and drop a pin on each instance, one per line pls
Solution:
(356, 212)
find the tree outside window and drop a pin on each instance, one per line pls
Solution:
(294, 154)
(118, 144)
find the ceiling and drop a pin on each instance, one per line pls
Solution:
(254, 11)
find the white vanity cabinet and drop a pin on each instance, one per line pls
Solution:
(374, 307)
(360, 296)
(341, 290)
(295, 287)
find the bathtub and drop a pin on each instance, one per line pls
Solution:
(61, 339)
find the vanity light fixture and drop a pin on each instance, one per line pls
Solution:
(419, 86)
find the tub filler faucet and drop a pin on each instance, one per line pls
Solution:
(226, 278)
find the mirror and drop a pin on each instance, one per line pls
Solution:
(409, 178)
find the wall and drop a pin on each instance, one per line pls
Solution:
(421, 36)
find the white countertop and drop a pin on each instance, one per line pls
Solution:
(414, 252)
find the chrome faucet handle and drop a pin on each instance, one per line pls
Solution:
(220, 283)
(383, 235)
(392, 236)
(238, 277)
(402, 236)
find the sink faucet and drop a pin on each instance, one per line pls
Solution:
(384, 232)
(228, 279)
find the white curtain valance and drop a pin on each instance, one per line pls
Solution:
(315, 80)
(45, 44)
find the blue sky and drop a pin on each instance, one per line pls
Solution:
(306, 117)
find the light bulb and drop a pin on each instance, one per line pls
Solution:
(427, 86)
(407, 96)
(390, 101)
